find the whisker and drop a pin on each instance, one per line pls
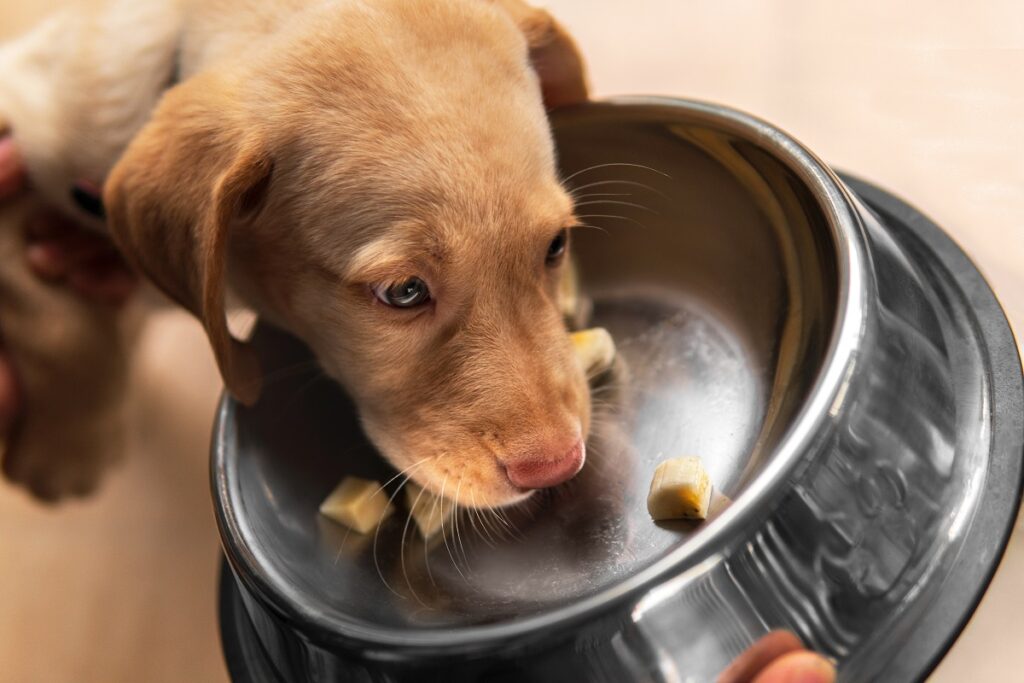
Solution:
(488, 517)
(401, 550)
(455, 529)
(497, 512)
(631, 183)
(500, 527)
(376, 535)
(472, 518)
(615, 164)
(458, 528)
(593, 227)
(621, 218)
(478, 524)
(590, 195)
(341, 546)
(606, 405)
(426, 553)
(619, 203)
(504, 525)
(407, 470)
(486, 521)
(515, 529)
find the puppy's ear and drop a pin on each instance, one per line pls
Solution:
(191, 172)
(553, 53)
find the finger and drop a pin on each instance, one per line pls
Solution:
(798, 667)
(12, 168)
(48, 260)
(760, 655)
(10, 394)
(54, 256)
(107, 282)
(79, 247)
(48, 224)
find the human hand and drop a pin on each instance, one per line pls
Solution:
(58, 251)
(779, 657)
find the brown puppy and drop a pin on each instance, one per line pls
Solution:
(376, 176)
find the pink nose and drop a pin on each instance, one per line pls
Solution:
(544, 469)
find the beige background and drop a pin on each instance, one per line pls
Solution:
(925, 97)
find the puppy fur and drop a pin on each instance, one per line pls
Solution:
(310, 152)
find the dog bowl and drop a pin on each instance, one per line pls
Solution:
(843, 370)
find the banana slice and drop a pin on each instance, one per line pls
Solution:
(359, 504)
(569, 291)
(680, 489)
(594, 349)
(430, 512)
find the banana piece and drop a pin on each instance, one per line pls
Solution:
(568, 291)
(594, 349)
(359, 504)
(572, 304)
(430, 512)
(680, 489)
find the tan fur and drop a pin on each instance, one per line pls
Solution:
(313, 150)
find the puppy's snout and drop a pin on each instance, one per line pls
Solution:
(547, 466)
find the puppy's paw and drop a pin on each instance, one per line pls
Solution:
(59, 461)
(71, 428)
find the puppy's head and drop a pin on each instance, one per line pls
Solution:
(381, 181)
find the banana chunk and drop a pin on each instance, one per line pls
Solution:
(680, 489)
(572, 304)
(359, 504)
(594, 349)
(569, 291)
(430, 512)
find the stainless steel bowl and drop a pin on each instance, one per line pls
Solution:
(842, 369)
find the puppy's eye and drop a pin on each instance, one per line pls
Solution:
(406, 294)
(557, 248)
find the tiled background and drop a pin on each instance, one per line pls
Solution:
(925, 97)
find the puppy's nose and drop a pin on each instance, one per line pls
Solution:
(544, 468)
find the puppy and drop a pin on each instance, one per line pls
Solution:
(375, 176)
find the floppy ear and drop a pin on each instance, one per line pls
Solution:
(553, 53)
(170, 200)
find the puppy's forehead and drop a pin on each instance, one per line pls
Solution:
(460, 233)
(447, 79)
(416, 123)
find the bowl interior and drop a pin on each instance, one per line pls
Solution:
(714, 268)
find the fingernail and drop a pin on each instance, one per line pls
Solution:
(46, 260)
(87, 197)
(812, 669)
(827, 670)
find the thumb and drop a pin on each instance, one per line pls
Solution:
(798, 667)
